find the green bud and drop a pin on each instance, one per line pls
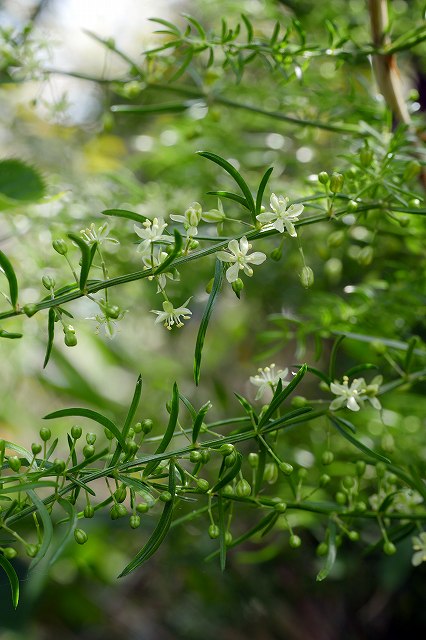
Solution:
(226, 449)
(353, 536)
(237, 287)
(31, 550)
(306, 277)
(9, 553)
(193, 244)
(214, 215)
(91, 438)
(341, 498)
(352, 206)
(109, 434)
(276, 254)
(388, 443)
(80, 536)
(214, 531)
(48, 282)
(88, 450)
(336, 182)
(117, 511)
(327, 457)
(360, 468)
(389, 548)
(135, 521)
(323, 177)
(294, 541)
(36, 448)
(253, 460)
(205, 456)
(366, 156)
(112, 311)
(29, 309)
(14, 463)
(403, 221)
(280, 507)
(243, 489)
(142, 507)
(203, 485)
(60, 246)
(132, 447)
(147, 425)
(324, 480)
(228, 538)
(58, 465)
(45, 434)
(379, 347)
(228, 490)
(70, 339)
(348, 483)
(120, 494)
(271, 473)
(365, 256)
(76, 432)
(138, 427)
(302, 473)
(165, 496)
(195, 457)
(336, 238)
(286, 468)
(298, 402)
(228, 461)
(209, 286)
(89, 511)
(322, 549)
(360, 506)
(380, 469)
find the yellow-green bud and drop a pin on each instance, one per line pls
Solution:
(48, 282)
(323, 177)
(307, 277)
(336, 182)
(60, 246)
(80, 536)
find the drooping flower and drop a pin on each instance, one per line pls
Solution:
(190, 219)
(238, 256)
(100, 235)
(268, 378)
(150, 232)
(419, 547)
(281, 217)
(172, 317)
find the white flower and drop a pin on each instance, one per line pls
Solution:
(171, 316)
(268, 378)
(91, 235)
(353, 396)
(419, 546)
(190, 219)
(281, 218)
(240, 258)
(151, 231)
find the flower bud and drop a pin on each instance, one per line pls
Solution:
(366, 156)
(214, 531)
(243, 489)
(10, 553)
(237, 287)
(120, 494)
(203, 485)
(294, 541)
(323, 177)
(48, 282)
(228, 461)
(112, 311)
(271, 473)
(117, 511)
(193, 244)
(76, 432)
(138, 427)
(88, 450)
(132, 447)
(165, 496)
(327, 457)
(205, 456)
(209, 286)
(286, 468)
(298, 402)
(89, 511)
(228, 538)
(353, 536)
(58, 465)
(379, 347)
(142, 507)
(340, 498)
(253, 460)
(280, 507)
(324, 480)
(336, 238)
(276, 254)
(60, 246)
(14, 463)
(365, 256)
(228, 490)
(352, 206)
(70, 339)
(214, 215)
(147, 425)
(36, 448)
(336, 182)
(109, 434)
(45, 434)
(322, 549)
(389, 548)
(135, 521)
(90, 438)
(307, 277)
(195, 457)
(226, 449)
(80, 536)
(31, 550)
(29, 309)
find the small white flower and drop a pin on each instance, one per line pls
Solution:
(190, 219)
(91, 235)
(350, 396)
(171, 316)
(239, 258)
(281, 217)
(419, 546)
(150, 232)
(268, 378)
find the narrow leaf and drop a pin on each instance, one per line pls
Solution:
(123, 213)
(169, 107)
(217, 282)
(92, 415)
(87, 255)
(196, 24)
(331, 555)
(233, 173)
(231, 473)
(177, 248)
(69, 531)
(222, 531)
(13, 579)
(10, 274)
(333, 355)
(50, 335)
(7, 334)
(199, 421)
(262, 188)
(129, 419)
(281, 394)
(359, 445)
(47, 527)
(248, 26)
(160, 530)
(174, 412)
(230, 196)
(27, 486)
(360, 367)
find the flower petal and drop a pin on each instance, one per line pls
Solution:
(232, 272)
(256, 258)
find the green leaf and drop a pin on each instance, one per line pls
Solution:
(123, 213)
(19, 183)
(199, 420)
(249, 27)
(87, 255)
(167, 24)
(141, 488)
(47, 527)
(129, 419)
(316, 372)
(174, 412)
(196, 24)
(92, 415)
(50, 335)
(359, 445)
(10, 274)
(360, 367)
(146, 109)
(27, 486)
(230, 474)
(217, 283)
(333, 355)
(222, 531)
(234, 174)
(24, 453)
(160, 531)
(177, 248)
(69, 531)
(13, 579)
(331, 555)
(262, 188)
(230, 196)
(7, 334)
(281, 394)
(260, 470)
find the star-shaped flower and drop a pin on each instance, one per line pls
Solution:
(150, 232)
(268, 378)
(238, 256)
(353, 396)
(281, 217)
(92, 235)
(172, 317)
(190, 219)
